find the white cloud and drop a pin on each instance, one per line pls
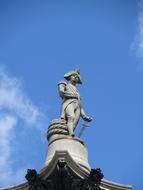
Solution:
(138, 43)
(15, 107)
(7, 124)
(13, 98)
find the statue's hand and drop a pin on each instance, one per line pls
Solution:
(87, 118)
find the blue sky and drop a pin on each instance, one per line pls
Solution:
(42, 40)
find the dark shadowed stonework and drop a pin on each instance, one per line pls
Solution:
(63, 178)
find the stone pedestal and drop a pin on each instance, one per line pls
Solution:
(73, 146)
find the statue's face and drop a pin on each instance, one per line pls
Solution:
(74, 79)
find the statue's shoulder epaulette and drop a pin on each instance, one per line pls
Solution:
(62, 82)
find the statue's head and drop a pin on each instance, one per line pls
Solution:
(74, 76)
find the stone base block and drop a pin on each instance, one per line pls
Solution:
(75, 148)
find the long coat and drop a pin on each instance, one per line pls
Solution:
(69, 94)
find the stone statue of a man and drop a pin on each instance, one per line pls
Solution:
(72, 109)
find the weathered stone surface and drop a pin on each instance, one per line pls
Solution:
(74, 146)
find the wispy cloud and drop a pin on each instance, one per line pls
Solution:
(7, 124)
(13, 98)
(15, 107)
(138, 43)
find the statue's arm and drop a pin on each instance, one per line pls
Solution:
(62, 91)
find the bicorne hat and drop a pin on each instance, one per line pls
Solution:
(73, 72)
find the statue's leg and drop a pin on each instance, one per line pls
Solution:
(62, 113)
(77, 115)
(70, 118)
